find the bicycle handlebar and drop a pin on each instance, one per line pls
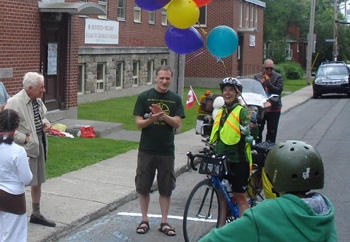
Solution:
(204, 154)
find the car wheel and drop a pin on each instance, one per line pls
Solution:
(316, 95)
(348, 94)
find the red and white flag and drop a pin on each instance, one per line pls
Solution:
(191, 98)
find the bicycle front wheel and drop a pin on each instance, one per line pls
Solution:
(202, 211)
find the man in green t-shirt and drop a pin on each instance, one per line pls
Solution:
(158, 112)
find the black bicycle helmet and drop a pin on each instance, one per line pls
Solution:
(233, 82)
(294, 166)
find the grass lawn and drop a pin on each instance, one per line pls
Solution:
(120, 110)
(67, 154)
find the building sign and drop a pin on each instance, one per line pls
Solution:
(251, 40)
(101, 31)
(52, 59)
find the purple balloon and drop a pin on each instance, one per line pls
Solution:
(151, 4)
(183, 41)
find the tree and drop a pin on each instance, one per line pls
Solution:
(280, 18)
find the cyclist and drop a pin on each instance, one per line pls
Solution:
(294, 168)
(229, 133)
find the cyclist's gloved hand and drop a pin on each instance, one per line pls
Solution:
(253, 118)
(244, 130)
(249, 139)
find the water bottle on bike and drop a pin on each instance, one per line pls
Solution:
(228, 187)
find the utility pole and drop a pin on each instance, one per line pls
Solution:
(310, 42)
(335, 34)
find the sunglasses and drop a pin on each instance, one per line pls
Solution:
(269, 68)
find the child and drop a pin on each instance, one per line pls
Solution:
(14, 175)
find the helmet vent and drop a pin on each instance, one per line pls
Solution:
(294, 176)
(292, 149)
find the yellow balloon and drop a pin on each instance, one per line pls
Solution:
(182, 14)
(166, 6)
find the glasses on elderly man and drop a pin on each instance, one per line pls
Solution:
(269, 68)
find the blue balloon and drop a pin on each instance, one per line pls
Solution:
(151, 5)
(222, 41)
(183, 41)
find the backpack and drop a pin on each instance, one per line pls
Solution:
(207, 103)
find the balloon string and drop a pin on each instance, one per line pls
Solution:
(223, 64)
(194, 57)
(201, 29)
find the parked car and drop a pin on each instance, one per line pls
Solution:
(331, 77)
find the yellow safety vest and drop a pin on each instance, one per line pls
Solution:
(230, 132)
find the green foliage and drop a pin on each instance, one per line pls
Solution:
(276, 51)
(279, 15)
(292, 70)
(279, 69)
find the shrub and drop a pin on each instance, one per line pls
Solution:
(280, 69)
(292, 70)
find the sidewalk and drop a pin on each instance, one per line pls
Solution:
(76, 198)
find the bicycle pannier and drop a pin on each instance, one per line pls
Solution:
(211, 166)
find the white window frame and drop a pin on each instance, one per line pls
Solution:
(256, 17)
(135, 73)
(164, 62)
(120, 70)
(100, 82)
(289, 52)
(81, 78)
(137, 14)
(121, 9)
(202, 16)
(152, 17)
(150, 71)
(164, 18)
(246, 25)
(251, 17)
(241, 14)
(103, 3)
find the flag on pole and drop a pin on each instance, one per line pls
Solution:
(191, 98)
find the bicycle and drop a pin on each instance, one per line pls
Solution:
(203, 207)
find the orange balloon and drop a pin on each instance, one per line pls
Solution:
(182, 14)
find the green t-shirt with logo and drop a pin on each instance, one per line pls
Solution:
(158, 137)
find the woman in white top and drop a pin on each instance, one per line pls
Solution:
(14, 175)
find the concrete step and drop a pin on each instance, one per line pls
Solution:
(102, 129)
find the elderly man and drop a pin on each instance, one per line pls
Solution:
(31, 135)
(272, 83)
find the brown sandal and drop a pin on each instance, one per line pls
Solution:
(142, 229)
(167, 231)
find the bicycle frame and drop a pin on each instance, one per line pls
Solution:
(216, 182)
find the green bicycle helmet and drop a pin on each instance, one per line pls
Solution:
(294, 166)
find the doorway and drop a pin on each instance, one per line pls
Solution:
(53, 56)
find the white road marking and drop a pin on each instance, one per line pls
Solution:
(169, 216)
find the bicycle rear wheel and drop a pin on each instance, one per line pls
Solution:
(255, 188)
(202, 211)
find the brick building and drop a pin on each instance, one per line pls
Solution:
(99, 49)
